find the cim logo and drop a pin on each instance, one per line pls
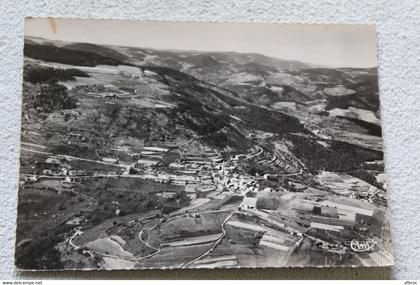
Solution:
(362, 246)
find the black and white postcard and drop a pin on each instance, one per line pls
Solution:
(200, 145)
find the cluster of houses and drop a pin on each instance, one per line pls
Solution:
(204, 172)
(54, 167)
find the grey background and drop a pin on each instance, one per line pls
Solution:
(398, 27)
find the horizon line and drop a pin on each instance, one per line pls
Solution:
(310, 65)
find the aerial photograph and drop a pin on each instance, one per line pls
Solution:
(153, 145)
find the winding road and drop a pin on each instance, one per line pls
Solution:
(219, 240)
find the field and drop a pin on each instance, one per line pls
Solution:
(137, 158)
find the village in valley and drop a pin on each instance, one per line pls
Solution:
(141, 164)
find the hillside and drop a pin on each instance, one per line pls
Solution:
(141, 158)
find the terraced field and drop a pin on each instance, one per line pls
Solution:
(142, 158)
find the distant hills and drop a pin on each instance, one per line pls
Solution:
(254, 77)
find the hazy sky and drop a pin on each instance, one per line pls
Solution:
(330, 45)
